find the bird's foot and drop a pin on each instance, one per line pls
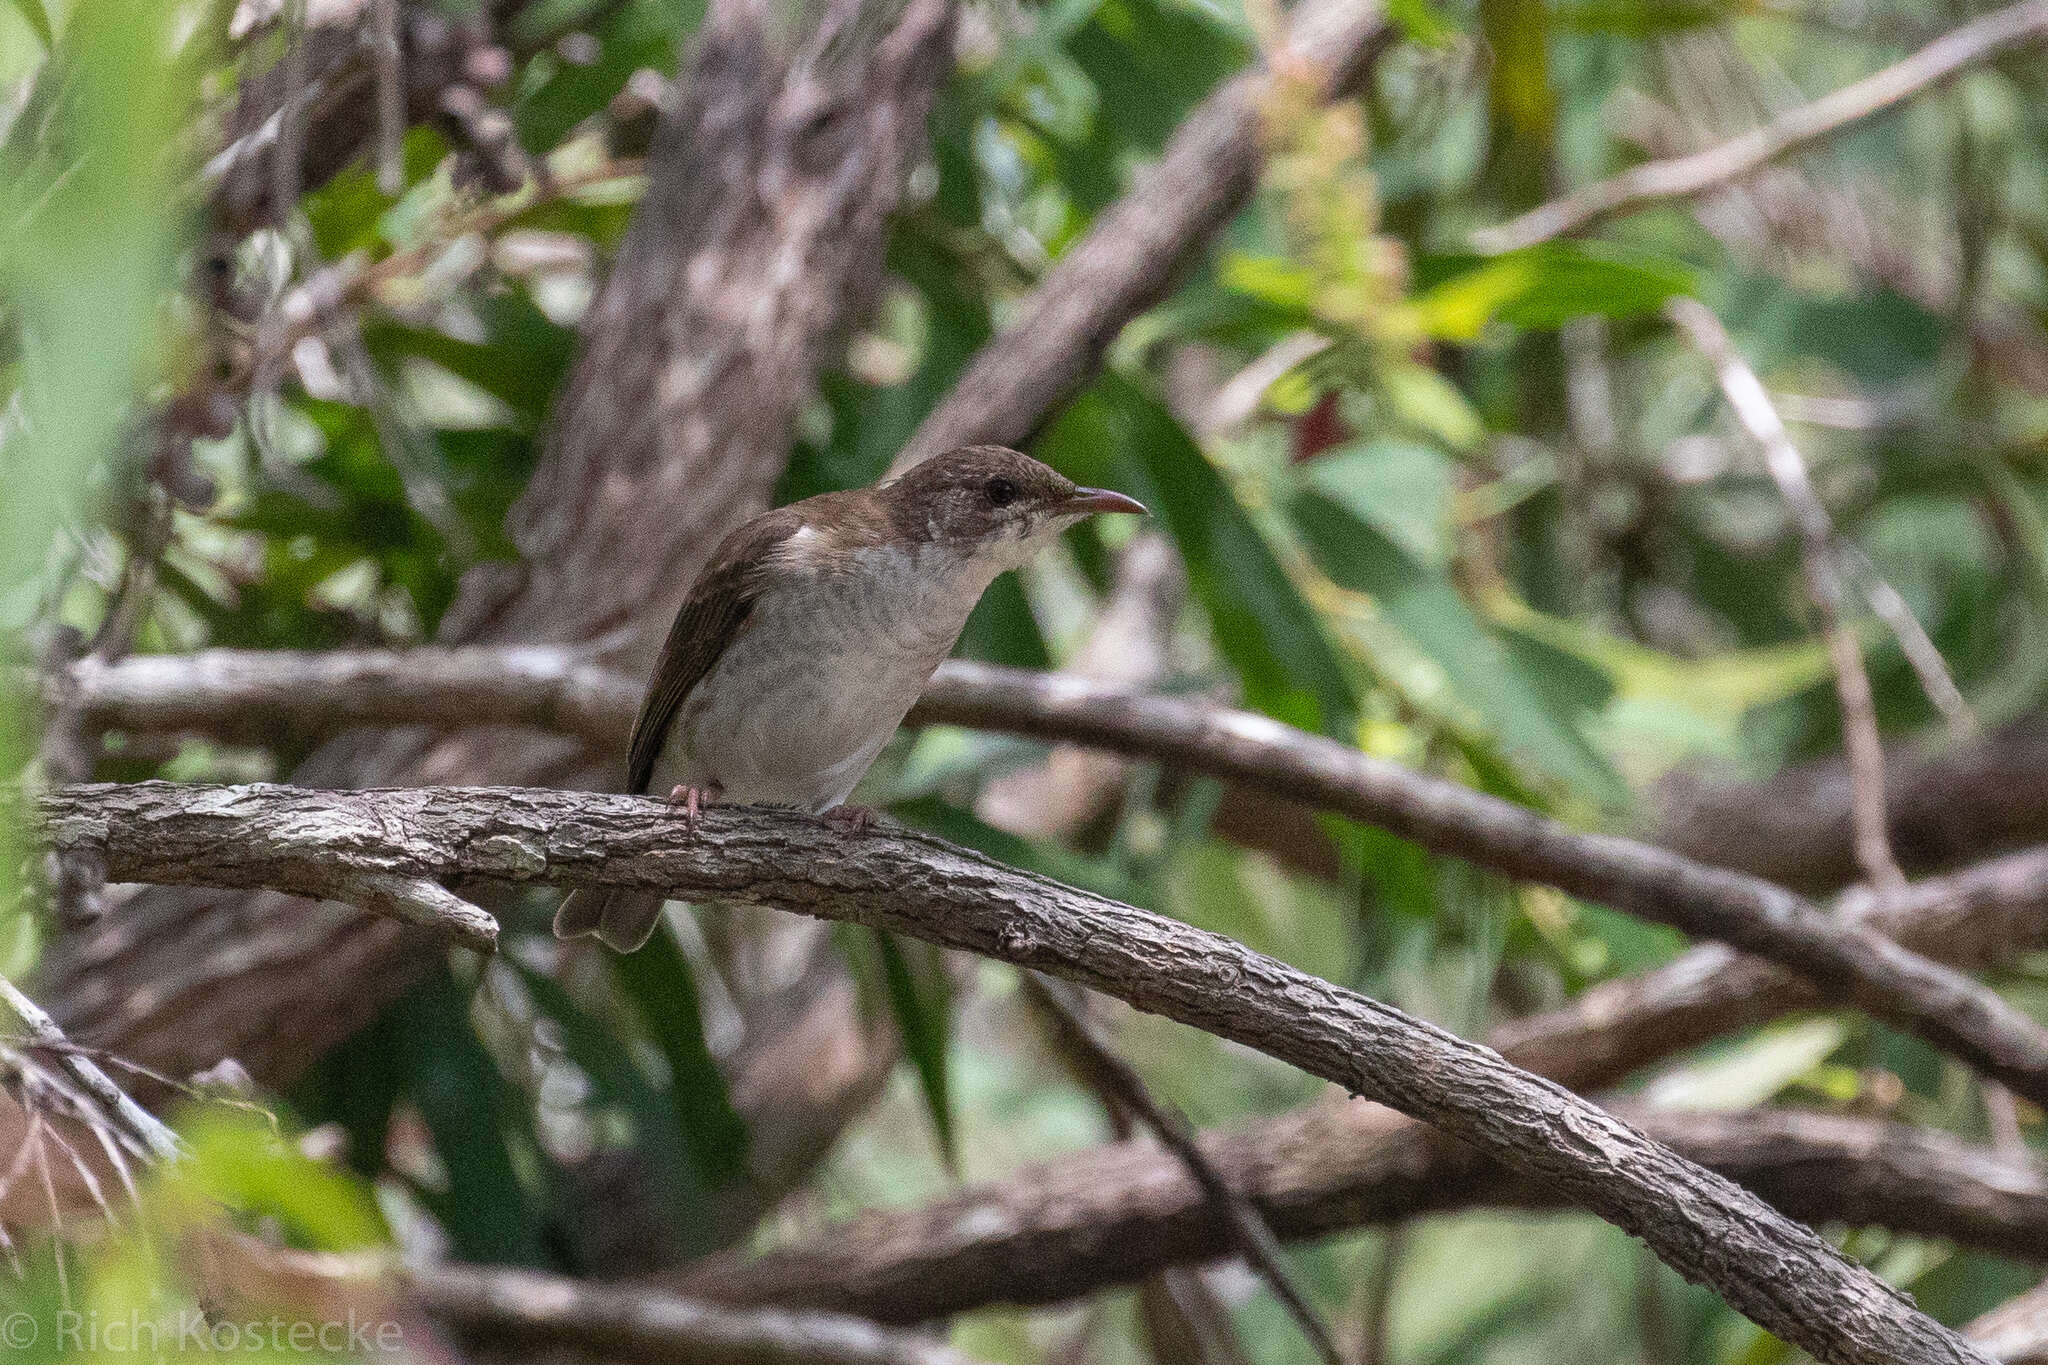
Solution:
(693, 800)
(851, 819)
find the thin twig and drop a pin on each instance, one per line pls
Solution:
(1376, 1310)
(423, 903)
(1119, 1085)
(1686, 176)
(291, 115)
(1928, 665)
(308, 309)
(1751, 404)
(130, 1118)
(390, 97)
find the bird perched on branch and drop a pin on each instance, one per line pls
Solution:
(810, 634)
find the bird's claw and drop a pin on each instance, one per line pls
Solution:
(693, 800)
(851, 819)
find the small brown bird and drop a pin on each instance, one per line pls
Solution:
(810, 634)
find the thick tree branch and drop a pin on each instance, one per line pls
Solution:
(254, 695)
(1345, 1164)
(1686, 176)
(1944, 809)
(1776, 1271)
(1139, 247)
(1943, 1006)
(1065, 1228)
(1877, 974)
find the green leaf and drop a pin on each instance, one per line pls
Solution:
(663, 990)
(1117, 434)
(38, 18)
(556, 96)
(1481, 670)
(1546, 286)
(520, 362)
(616, 1081)
(357, 1084)
(487, 1210)
(921, 1001)
(1422, 23)
(1151, 61)
(1002, 630)
(1401, 487)
(239, 1162)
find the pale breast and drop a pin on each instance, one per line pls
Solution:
(818, 679)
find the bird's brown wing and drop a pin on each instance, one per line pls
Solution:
(712, 616)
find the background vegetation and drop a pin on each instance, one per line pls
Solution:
(1486, 516)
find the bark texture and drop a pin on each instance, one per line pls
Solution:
(1346, 1165)
(1778, 1272)
(759, 241)
(1063, 1229)
(1850, 961)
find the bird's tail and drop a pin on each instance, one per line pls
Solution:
(624, 919)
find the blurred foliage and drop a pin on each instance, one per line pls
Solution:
(1482, 516)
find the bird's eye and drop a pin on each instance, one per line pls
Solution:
(1000, 492)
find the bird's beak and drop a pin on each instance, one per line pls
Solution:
(1088, 501)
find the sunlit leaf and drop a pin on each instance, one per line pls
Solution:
(1546, 286)
(1482, 671)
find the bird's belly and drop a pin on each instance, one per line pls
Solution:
(791, 723)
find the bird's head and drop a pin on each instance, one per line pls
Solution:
(992, 503)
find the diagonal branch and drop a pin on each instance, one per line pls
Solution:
(1070, 1227)
(1139, 247)
(1848, 961)
(1686, 176)
(1779, 1273)
(136, 1125)
(1039, 1236)
(1120, 1086)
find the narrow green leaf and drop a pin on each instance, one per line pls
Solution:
(658, 981)
(1546, 286)
(1117, 434)
(488, 1212)
(520, 363)
(38, 18)
(921, 1002)
(615, 1080)
(1482, 671)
